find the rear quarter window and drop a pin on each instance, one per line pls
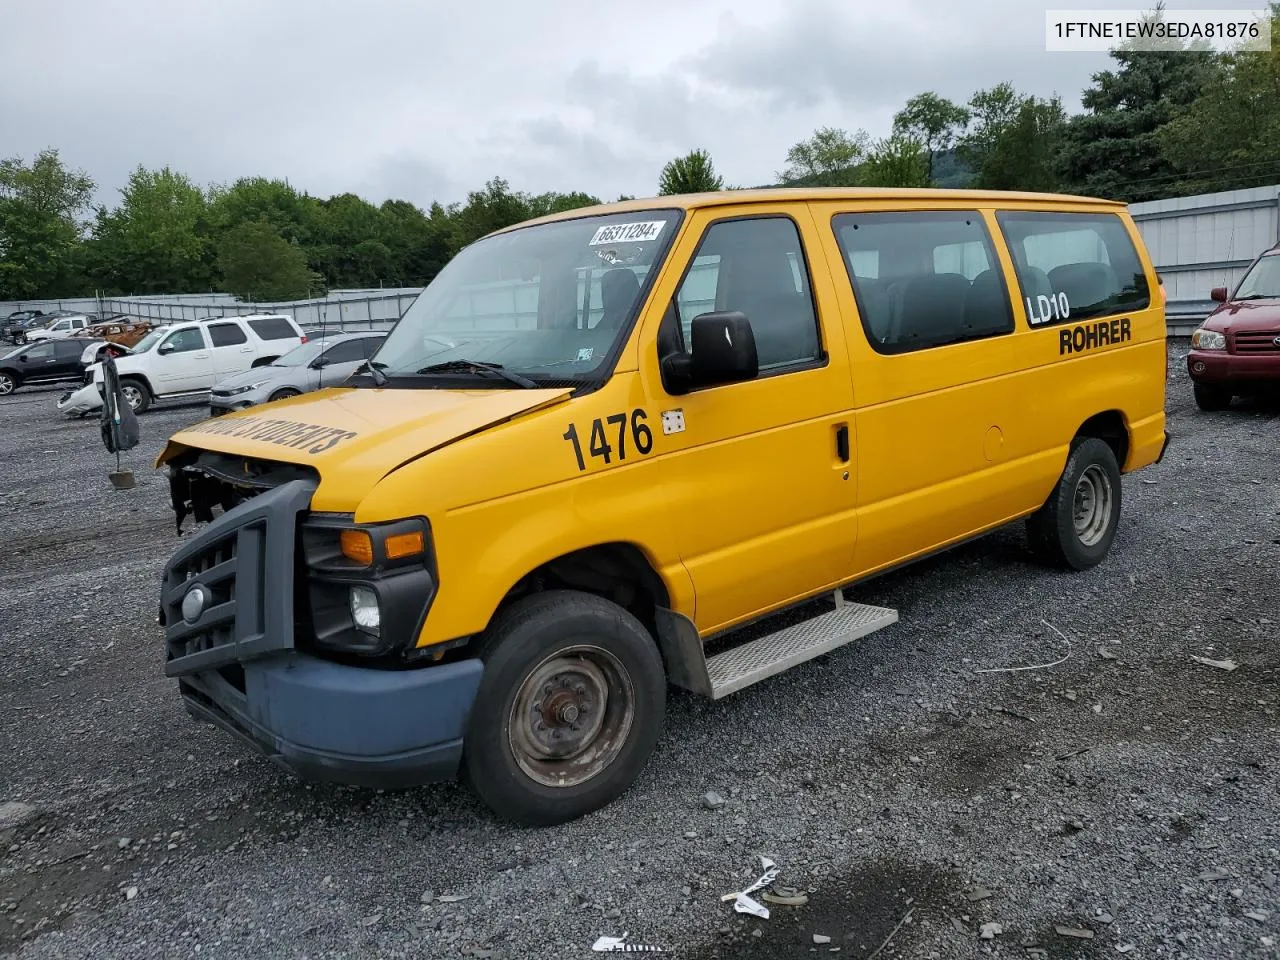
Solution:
(1074, 266)
(273, 328)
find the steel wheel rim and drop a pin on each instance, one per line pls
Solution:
(132, 395)
(571, 716)
(6, 385)
(1091, 506)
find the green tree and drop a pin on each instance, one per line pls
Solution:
(41, 207)
(896, 161)
(1112, 149)
(1229, 136)
(1013, 141)
(259, 264)
(692, 173)
(991, 113)
(493, 208)
(157, 240)
(933, 120)
(295, 215)
(419, 243)
(545, 203)
(826, 159)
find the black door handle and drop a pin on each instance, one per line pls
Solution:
(842, 442)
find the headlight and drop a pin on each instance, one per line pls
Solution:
(368, 585)
(253, 386)
(1204, 339)
(365, 610)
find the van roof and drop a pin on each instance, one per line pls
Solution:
(692, 201)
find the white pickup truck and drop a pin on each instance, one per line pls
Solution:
(184, 360)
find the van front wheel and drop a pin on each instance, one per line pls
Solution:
(570, 708)
(1077, 523)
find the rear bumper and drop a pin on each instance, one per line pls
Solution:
(328, 722)
(1219, 367)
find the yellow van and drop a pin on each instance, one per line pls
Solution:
(600, 441)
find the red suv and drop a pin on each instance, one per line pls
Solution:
(1237, 348)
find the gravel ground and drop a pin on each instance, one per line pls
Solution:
(1129, 791)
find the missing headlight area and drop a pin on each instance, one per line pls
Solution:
(201, 480)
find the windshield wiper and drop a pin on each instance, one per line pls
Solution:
(477, 366)
(1257, 296)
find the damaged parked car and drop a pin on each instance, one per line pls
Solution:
(50, 361)
(324, 362)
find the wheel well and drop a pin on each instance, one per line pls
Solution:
(616, 571)
(1110, 427)
(141, 379)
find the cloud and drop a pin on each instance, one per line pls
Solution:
(398, 98)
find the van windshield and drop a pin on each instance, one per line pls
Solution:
(548, 302)
(1263, 281)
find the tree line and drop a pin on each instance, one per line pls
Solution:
(1156, 124)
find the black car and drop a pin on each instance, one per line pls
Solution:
(49, 361)
(20, 320)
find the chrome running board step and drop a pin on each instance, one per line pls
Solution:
(741, 666)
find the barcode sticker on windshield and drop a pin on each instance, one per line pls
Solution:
(628, 232)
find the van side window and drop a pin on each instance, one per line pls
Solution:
(923, 279)
(755, 266)
(1073, 266)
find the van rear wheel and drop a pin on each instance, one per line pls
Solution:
(1078, 522)
(570, 708)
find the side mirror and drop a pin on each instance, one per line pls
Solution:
(165, 348)
(319, 363)
(1219, 294)
(722, 349)
(22, 357)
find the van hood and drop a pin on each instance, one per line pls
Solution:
(355, 437)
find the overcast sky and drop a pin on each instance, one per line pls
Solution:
(425, 100)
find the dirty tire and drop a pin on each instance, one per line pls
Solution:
(1076, 525)
(136, 394)
(7, 384)
(1211, 397)
(577, 668)
(283, 393)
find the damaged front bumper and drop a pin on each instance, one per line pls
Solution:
(231, 603)
(81, 402)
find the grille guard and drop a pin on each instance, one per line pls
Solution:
(245, 560)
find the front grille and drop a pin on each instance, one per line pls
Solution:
(1257, 341)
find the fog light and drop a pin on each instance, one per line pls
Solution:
(365, 610)
(1197, 367)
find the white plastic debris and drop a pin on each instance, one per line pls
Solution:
(1227, 665)
(618, 945)
(743, 903)
(820, 939)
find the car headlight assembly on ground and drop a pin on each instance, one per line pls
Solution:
(1204, 339)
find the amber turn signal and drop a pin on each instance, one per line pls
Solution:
(405, 545)
(357, 545)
